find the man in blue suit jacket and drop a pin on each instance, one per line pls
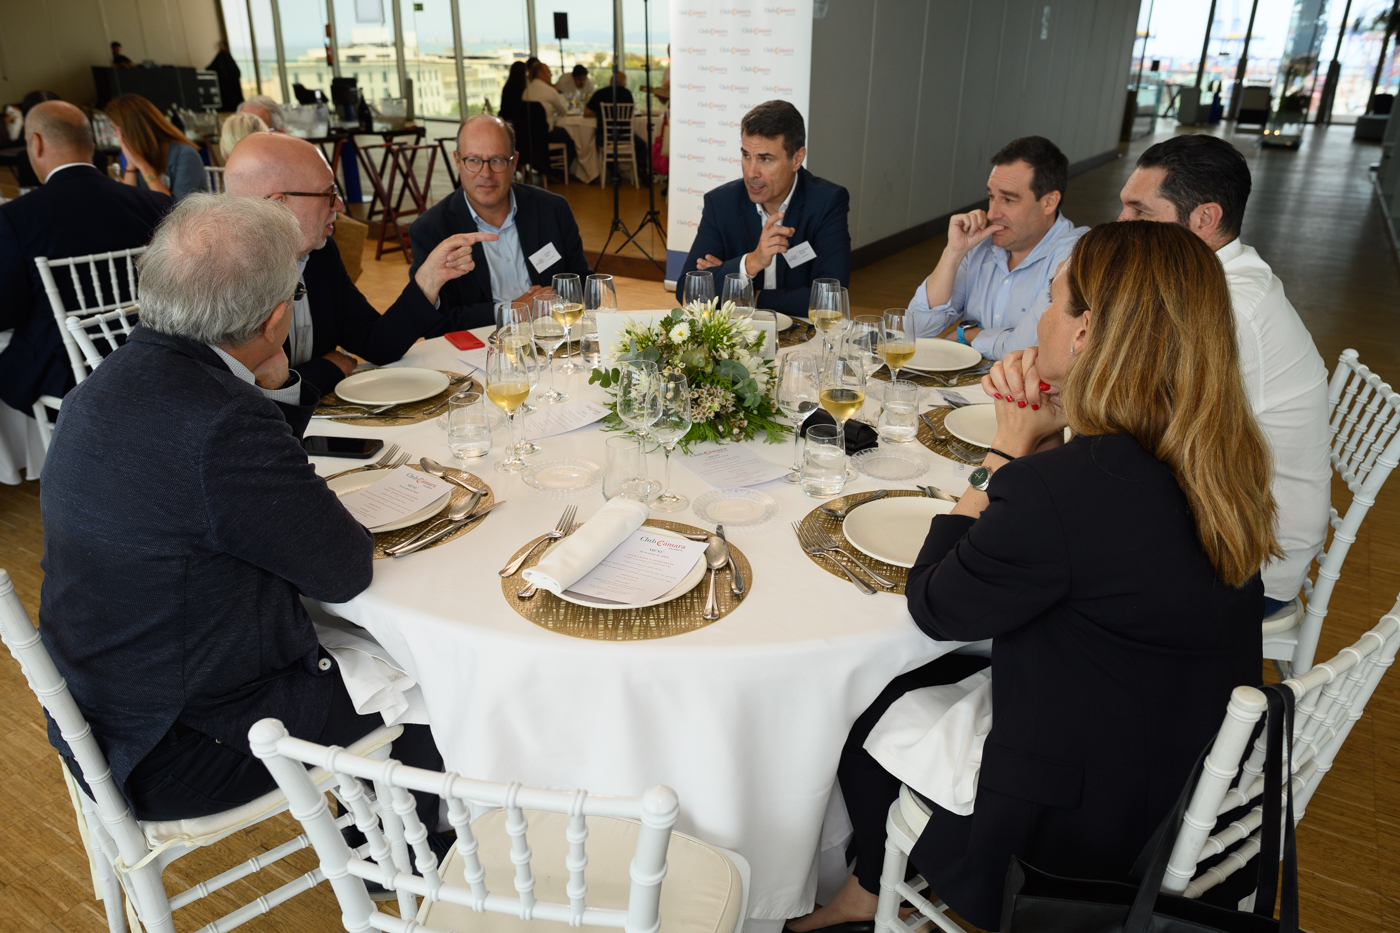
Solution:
(78, 212)
(777, 208)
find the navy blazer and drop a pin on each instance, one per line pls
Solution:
(80, 211)
(541, 217)
(342, 317)
(730, 228)
(1115, 646)
(182, 523)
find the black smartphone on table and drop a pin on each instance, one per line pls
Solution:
(356, 448)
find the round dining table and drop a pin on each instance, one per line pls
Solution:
(745, 718)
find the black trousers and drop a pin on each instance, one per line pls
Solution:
(191, 774)
(869, 789)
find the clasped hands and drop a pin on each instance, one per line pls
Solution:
(1029, 414)
(771, 241)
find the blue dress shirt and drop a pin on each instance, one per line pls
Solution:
(510, 276)
(1005, 303)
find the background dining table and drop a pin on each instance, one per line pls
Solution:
(745, 718)
(584, 132)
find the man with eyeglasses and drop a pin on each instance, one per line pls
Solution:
(528, 235)
(333, 319)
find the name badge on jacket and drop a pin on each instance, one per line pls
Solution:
(800, 253)
(545, 257)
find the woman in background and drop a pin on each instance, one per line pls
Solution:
(158, 156)
(512, 90)
(236, 127)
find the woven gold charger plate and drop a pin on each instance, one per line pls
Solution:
(817, 519)
(387, 539)
(408, 413)
(680, 615)
(938, 416)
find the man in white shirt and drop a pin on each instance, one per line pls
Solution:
(1203, 183)
(577, 86)
(541, 90)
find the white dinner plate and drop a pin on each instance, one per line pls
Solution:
(784, 322)
(685, 586)
(935, 355)
(893, 530)
(396, 386)
(354, 482)
(976, 424)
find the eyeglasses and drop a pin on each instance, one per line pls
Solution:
(300, 293)
(473, 164)
(330, 196)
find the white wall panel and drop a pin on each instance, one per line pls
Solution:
(941, 100)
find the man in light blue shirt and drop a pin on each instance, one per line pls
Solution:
(509, 274)
(993, 279)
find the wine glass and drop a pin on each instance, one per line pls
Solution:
(507, 385)
(843, 386)
(824, 308)
(897, 344)
(672, 425)
(568, 308)
(798, 394)
(517, 341)
(699, 286)
(549, 334)
(862, 343)
(638, 403)
(600, 293)
(738, 288)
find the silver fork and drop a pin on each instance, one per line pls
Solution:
(824, 540)
(561, 528)
(816, 550)
(947, 381)
(385, 461)
(529, 591)
(962, 452)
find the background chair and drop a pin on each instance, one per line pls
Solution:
(705, 886)
(559, 159)
(617, 128)
(127, 856)
(109, 286)
(532, 138)
(214, 178)
(1365, 413)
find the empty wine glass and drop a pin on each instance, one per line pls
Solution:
(568, 308)
(638, 403)
(518, 342)
(507, 385)
(549, 334)
(738, 288)
(672, 425)
(862, 343)
(798, 394)
(897, 344)
(699, 286)
(600, 293)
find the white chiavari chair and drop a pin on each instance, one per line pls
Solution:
(617, 127)
(129, 856)
(106, 298)
(1365, 413)
(214, 179)
(497, 866)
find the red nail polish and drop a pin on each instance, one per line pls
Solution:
(1035, 408)
(1045, 387)
(1020, 404)
(998, 395)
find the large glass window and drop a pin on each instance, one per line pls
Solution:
(240, 46)
(365, 31)
(305, 44)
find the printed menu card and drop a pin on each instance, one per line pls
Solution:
(398, 494)
(644, 567)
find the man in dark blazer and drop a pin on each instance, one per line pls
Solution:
(333, 315)
(77, 212)
(173, 579)
(528, 234)
(777, 209)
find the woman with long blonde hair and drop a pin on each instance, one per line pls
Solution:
(158, 156)
(1116, 575)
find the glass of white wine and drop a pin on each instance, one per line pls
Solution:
(549, 334)
(824, 308)
(843, 386)
(897, 344)
(518, 342)
(568, 308)
(672, 425)
(507, 386)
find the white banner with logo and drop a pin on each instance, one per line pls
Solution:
(725, 58)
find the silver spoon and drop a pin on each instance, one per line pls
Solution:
(455, 513)
(430, 465)
(716, 558)
(840, 514)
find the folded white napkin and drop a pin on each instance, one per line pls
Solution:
(569, 560)
(372, 677)
(932, 738)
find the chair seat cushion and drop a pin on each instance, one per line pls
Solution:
(702, 892)
(1285, 618)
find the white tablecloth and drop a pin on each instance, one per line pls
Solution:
(745, 718)
(584, 132)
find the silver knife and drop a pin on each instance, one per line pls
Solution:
(419, 545)
(736, 579)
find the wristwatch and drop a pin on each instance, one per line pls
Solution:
(980, 479)
(962, 337)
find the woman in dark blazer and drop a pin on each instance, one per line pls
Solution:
(1117, 576)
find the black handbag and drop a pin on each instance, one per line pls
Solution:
(1038, 902)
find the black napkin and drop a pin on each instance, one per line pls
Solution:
(859, 435)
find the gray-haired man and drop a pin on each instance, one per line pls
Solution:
(183, 522)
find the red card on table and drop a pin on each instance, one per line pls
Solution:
(464, 340)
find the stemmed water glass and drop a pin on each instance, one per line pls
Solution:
(517, 341)
(549, 334)
(862, 343)
(738, 288)
(670, 427)
(699, 286)
(507, 385)
(638, 403)
(600, 294)
(897, 343)
(568, 308)
(798, 394)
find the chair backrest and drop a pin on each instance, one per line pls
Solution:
(112, 327)
(214, 178)
(1331, 698)
(392, 812)
(617, 124)
(110, 285)
(1364, 415)
(532, 134)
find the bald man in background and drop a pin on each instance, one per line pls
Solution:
(77, 211)
(333, 316)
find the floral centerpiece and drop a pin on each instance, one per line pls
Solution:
(721, 357)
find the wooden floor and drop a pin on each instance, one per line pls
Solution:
(1312, 216)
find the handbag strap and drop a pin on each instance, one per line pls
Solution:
(1280, 723)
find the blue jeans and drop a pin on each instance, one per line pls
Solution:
(1274, 605)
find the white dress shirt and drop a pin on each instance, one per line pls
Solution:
(1286, 382)
(289, 394)
(505, 258)
(65, 165)
(770, 274)
(300, 333)
(544, 93)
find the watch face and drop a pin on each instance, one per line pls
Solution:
(979, 478)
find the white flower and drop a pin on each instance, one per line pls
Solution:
(680, 333)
